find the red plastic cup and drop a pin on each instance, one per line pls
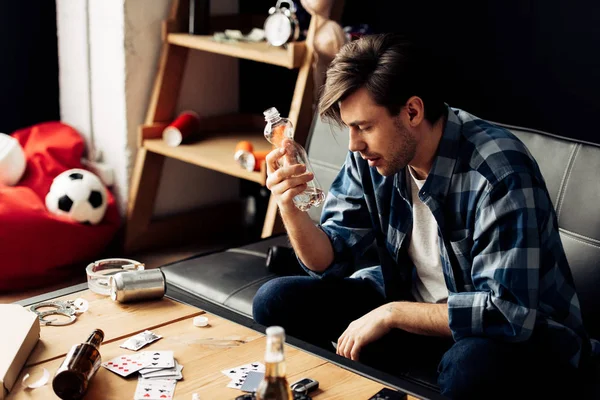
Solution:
(185, 125)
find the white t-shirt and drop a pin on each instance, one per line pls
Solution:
(429, 285)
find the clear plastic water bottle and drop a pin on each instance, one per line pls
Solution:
(278, 129)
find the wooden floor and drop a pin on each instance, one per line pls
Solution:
(152, 259)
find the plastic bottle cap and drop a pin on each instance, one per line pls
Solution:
(200, 321)
(275, 331)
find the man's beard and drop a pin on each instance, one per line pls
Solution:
(402, 151)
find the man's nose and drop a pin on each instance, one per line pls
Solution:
(356, 143)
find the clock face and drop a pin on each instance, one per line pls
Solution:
(278, 29)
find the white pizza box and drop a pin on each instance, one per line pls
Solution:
(16, 343)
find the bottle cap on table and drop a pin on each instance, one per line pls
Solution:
(200, 321)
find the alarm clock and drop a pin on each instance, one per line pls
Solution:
(281, 26)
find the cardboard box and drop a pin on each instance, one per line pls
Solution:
(16, 343)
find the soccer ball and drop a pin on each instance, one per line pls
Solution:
(78, 194)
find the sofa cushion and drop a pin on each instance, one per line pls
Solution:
(570, 169)
(229, 278)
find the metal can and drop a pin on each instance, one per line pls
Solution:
(137, 285)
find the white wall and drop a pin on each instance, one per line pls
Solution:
(108, 57)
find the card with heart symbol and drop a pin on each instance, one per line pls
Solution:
(126, 364)
(155, 389)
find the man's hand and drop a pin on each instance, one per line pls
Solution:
(418, 318)
(363, 331)
(285, 182)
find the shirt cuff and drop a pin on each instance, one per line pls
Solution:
(465, 313)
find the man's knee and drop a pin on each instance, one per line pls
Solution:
(274, 300)
(476, 368)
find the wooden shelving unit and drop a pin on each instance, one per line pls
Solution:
(290, 57)
(215, 152)
(214, 148)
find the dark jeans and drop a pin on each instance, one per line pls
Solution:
(318, 311)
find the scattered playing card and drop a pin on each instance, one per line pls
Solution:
(172, 372)
(177, 377)
(126, 364)
(140, 340)
(154, 389)
(236, 371)
(252, 381)
(236, 383)
(238, 374)
(160, 359)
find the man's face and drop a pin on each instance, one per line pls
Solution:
(383, 140)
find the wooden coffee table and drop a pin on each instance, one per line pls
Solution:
(203, 352)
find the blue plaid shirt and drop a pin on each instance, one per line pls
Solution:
(502, 257)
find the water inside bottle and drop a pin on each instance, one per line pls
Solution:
(311, 197)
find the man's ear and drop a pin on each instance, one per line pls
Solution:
(415, 110)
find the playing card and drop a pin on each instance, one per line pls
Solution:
(243, 369)
(140, 340)
(236, 383)
(154, 389)
(164, 372)
(252, 381)
(160, 359)
(177, 377)
(238, 374)
(126, 364)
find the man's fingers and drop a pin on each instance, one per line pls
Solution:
(355, 351)
(288, 177)
(295, 181)
(348, 347)
(341, 343)
(289, 194)
(271, 160)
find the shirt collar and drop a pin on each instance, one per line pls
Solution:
(437, 184)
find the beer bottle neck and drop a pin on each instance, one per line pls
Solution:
(95, 338)
(274, 357)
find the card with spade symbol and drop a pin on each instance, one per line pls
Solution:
(239, 374)
(159, 359)
(155, 389)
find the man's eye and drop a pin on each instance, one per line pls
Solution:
(365, 128)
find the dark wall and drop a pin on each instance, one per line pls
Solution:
(534, 63)
(28, 63)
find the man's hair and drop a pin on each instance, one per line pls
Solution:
(391, 68)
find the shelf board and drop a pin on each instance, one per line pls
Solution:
(290, 57)
(215, 151)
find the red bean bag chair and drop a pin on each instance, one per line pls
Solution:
(35, 245)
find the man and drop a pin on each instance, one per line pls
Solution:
(472, 271)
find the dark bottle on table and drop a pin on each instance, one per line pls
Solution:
(80, 365)
(274, 385)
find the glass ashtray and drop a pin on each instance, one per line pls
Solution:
(99, 272)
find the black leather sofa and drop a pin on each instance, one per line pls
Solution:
(226, 281)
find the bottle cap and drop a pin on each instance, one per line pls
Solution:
(271, 113)
(200, 321)
(275, 331)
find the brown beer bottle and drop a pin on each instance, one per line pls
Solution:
(274, 385)
(81, 363)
